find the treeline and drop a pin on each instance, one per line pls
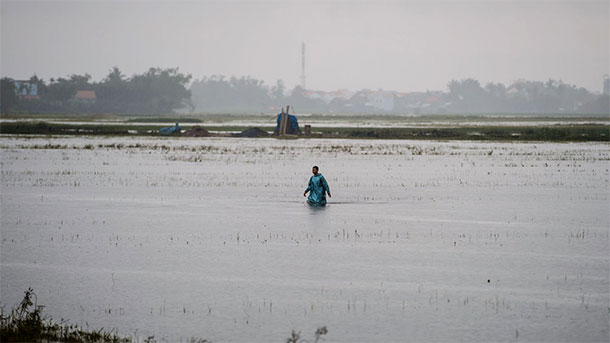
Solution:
(217, 93)
(163, 91)
(552, 96)
(220, 94)
(157, 91)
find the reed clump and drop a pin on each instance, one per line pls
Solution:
(25, 323)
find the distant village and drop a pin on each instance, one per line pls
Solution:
(379, 101)
(163, 91)
(468, 96)
(465, 96)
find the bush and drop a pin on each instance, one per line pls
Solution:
(26, 324)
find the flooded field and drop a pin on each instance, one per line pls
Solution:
(421, 241)
(318, 121)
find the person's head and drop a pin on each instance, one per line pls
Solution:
(314, 170)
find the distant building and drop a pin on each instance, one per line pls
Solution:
(380, 100)
(606, 85)
(26, 90)
(420, 102)
(327, 97)
(85, 96)
(516, 92)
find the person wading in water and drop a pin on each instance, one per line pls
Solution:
(317, 188)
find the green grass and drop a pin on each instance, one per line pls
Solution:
(568, 133)
(554, 133)
(44, 128)
(163, 119)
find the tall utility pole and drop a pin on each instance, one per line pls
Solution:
(303, 65)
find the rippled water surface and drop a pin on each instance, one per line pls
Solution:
(421, 241)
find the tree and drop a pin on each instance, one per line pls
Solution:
(158, 91)
(62, 90)
(467, 95)
(112, 92)
(277, 92)
(8, 97)
(299, 101)
(215, 94)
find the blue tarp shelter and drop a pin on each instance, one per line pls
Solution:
(293, 124)
(166, 131)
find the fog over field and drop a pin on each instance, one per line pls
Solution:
(397, 45)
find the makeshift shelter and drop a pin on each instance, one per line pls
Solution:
(166, 131)
(287, 123)
(293, 124)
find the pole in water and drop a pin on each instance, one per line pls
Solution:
(284, 120)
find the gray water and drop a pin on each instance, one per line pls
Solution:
(421, 241)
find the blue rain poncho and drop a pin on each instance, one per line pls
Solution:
(317, 188)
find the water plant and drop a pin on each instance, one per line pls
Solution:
(295, 337)
(25, 323)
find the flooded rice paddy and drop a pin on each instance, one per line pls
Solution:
(421, 241)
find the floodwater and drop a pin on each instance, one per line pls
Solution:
(372, 122)
(421, 241)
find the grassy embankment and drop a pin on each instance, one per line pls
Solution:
(439, 126)
(555, 133)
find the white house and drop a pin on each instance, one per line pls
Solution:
(382, 100)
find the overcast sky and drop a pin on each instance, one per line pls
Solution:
(393, 45)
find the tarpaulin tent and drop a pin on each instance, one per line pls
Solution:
(169, 130)
(293, 124)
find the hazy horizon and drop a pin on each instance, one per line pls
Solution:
(403, 46)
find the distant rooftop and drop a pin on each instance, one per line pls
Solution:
(85, 95)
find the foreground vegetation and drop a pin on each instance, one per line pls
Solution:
(26, 323)
(554, 133)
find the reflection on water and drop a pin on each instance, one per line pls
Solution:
(181, 238)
